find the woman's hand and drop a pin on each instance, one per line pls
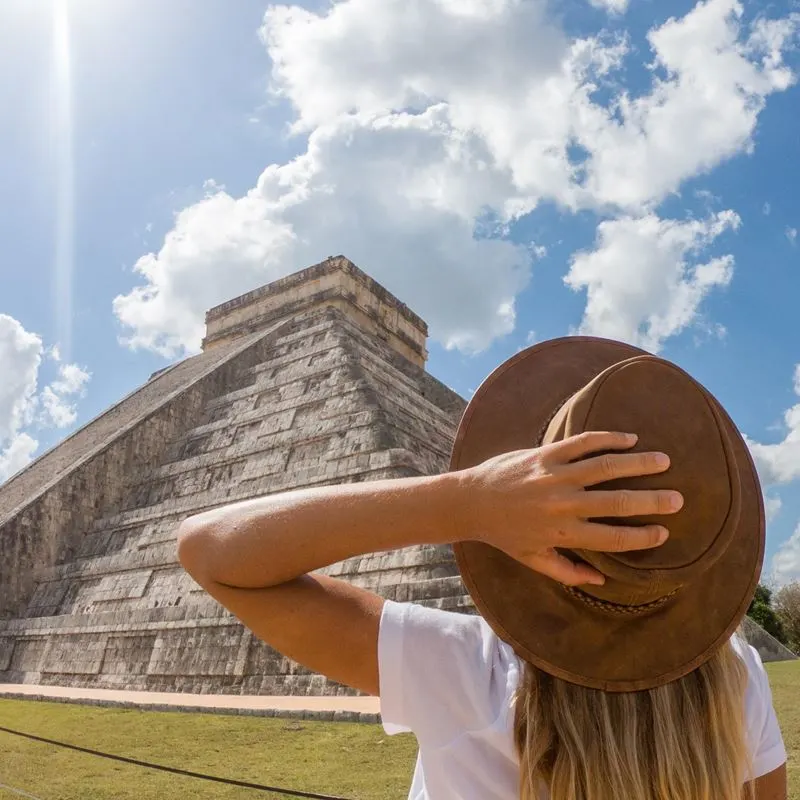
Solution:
(529, 502)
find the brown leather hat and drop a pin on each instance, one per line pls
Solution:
(662, 612)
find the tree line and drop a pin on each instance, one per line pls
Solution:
(777, 611)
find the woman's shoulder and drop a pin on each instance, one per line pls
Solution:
(442, 672)
(463, 635)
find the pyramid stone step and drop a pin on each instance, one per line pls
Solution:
(430, 589)
(262, 452)
(307, 470)
(127, 561)
(202, 613)
(105, 539)
(421, 555)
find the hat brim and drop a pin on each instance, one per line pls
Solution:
(550, 627)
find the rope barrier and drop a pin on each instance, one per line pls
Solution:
(175, 770)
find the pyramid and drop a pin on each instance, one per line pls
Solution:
(316, 379)
(769, 648)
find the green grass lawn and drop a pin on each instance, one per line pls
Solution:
(784, 677)
(353, 761)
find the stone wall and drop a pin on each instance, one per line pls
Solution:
(335, 282)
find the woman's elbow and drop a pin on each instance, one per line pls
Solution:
(192, 545)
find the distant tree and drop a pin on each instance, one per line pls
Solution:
(762, 612)
(787, 609)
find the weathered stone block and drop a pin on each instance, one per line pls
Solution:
(76, 654)
(128, 655)
(206, 652)
(6, 652)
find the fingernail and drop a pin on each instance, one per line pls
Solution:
(632, 437)
(676, 500)
(663, 535)
(662, 460)
(599, 580)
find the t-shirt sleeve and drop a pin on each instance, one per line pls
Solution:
(441, 673)
(766, 742)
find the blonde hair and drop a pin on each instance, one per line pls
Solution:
(682, 741)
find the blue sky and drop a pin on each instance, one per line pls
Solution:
(514, 171)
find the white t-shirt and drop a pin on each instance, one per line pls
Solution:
(450, 680)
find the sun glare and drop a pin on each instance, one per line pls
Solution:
(63, 133)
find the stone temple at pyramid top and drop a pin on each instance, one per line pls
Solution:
(336, 282)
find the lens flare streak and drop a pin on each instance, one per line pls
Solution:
(63, 134)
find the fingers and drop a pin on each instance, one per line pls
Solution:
(610, 466)
(594, 536)
(625, 503)
(589, 442)
(561, 569)
(613, 538)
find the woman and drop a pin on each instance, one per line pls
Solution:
(603, 664)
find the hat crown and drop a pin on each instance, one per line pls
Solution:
(671, 413)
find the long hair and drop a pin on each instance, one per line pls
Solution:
(682, 741)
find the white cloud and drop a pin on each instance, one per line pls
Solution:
(791, 235)
(21, 354)
(767, 209)
(72, 380)
(58, 398)
(409, 55)
(780, 462)
(55, 410)
(612, 6)
(772, 505)
(786, 562)
(530, 339)
(415, 145)
(538, 97)
(641, 286)
(20, 357)
(17, 455)
(399, 196)
(702, 112)
(708, 330)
